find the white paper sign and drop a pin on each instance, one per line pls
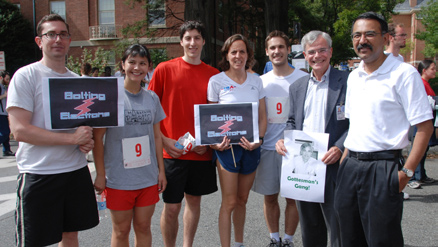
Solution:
(278, 109)
(303, 172)
(136, 152)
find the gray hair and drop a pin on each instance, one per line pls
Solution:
(312, 36)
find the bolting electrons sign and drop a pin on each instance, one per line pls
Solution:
(73, 102)
(214, 121)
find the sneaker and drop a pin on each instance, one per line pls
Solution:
(428, 180)
(287, 243)
(405, 195)
(8, 153)
(414, 185)
(274, 243)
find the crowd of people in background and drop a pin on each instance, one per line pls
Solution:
(366, 172)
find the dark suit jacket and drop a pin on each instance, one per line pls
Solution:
(336, 96)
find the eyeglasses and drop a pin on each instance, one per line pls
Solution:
(403, 35)
(368, 35)
(53, 35)
(320, 51)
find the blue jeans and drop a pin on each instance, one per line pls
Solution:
(420, 171)
(4, 133)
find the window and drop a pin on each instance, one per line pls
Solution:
(157, 13)
(18, 5)
(58, 7)
(106, 12)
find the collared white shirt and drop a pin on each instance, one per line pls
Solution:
(381, 106)
(315, 105)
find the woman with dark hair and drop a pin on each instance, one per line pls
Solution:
(129, 166)
(427, 70)
(236, 164)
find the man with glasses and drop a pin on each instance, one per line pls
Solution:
(317, 105)
(55, 195)
(384, 98)
(397, 40)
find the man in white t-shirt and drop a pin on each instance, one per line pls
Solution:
(276, 85)
(55, 195)
(384, 98)
(317, 105)
(397, 40)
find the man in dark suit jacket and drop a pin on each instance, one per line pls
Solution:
(317, 105)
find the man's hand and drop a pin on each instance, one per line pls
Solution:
(200, 150)
(403, 180)
(169, 146)
(83, 135)
(332, 155)
(87, 147)
(279, 146)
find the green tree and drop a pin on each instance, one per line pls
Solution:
(342, 45)
(99, 59)
(429, 17)
(16, 35)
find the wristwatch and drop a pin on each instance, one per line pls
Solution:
(409, 173)
(261, 138)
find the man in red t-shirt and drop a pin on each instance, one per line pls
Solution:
(180, 84)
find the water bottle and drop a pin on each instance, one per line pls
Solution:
(101, 205)
(180, 143)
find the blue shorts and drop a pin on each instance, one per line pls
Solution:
(246, 161)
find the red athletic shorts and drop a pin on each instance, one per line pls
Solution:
(128, 199)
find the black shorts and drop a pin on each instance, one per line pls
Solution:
(193, 177)
(48, 205)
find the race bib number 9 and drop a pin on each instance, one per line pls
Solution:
(136, 152)
(278, 109)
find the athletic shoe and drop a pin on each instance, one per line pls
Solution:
(414, 185)
(428, 180)
(405, 195)
(274, 243)
(8, 153)
(287, 243)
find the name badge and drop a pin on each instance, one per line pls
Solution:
(340, 112)
(278, 109)
(136, 152)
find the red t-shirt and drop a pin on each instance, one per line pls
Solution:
(429, 90)
(181, 85)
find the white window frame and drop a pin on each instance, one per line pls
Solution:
(58, 11)
(104, 11)
(163, 13)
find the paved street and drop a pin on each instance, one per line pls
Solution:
(420, 219)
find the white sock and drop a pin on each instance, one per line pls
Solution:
(275, 235)
(236, 244)
(290, 237)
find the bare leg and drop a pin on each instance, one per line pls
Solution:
(142, 225)
(192, 212)
(228, 182)
(121, 227)
(272, 212)
(245, 182)
(69, 239)
(291, 217)
(169, 223)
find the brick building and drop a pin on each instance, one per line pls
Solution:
(99, 23)
(407, 13)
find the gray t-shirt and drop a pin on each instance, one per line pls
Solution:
(142, 111)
